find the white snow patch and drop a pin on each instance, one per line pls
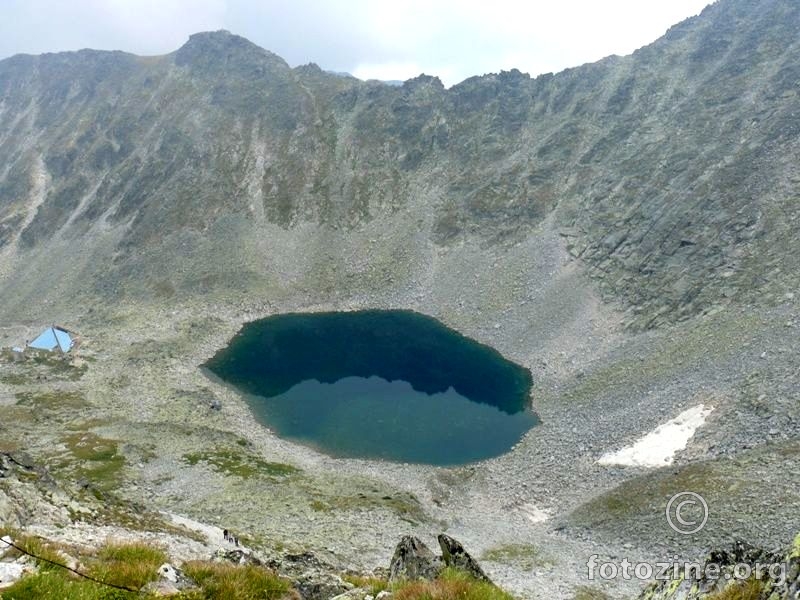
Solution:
(534, 514)
(658, 448)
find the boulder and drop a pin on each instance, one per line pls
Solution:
(161, 588)
(362, 594)
(454, 555)
(238, 556)
(296, 564)
(315, 585)
(22, 459)
(171, 580)
(414, 560)
(312, 577)
(168, 572)
(356, 594)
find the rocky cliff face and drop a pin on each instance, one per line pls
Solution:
(723, 574)
(671, 174)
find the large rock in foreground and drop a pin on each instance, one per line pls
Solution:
(455, 556)
(414, 560)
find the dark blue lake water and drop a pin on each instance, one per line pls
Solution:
(392, 385)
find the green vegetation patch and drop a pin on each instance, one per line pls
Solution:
(88, 446)
(52, 400)
(47, 551)
(18, 415)
(42, 365)
(87, 424)
(128, 565)
(92, 457)
(15, 379)
(134, 565)
(725, 483)
(451, 585)
(219, 580)
(373, 585)
(235, 462)
(585, 592)
(525, 555)
(59, 365)
(55, 585)
(645, 495)
(6, 444)
(740, 590)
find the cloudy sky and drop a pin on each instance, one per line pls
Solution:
(382, 39)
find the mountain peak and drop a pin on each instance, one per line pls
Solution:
(218, 37)
(215, 38)
(214, 46)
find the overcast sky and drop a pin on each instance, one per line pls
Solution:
(382, 39)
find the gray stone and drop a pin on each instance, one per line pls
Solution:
(321, 586)
(161, 588)
(8, 513)
(171, 577)
(414, 560)
(238, 556)
(454, 555)
(23, 459)
(356, 594)
(168, 572)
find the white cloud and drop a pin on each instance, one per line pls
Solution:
(140, 26)
(453, 39)
(157, 26)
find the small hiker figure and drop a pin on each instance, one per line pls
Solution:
(225, 534)
(236, 542)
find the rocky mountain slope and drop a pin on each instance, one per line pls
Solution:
(670, 172)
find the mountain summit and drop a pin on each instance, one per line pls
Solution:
(224, 49)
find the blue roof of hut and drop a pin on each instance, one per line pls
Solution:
(52, 338)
